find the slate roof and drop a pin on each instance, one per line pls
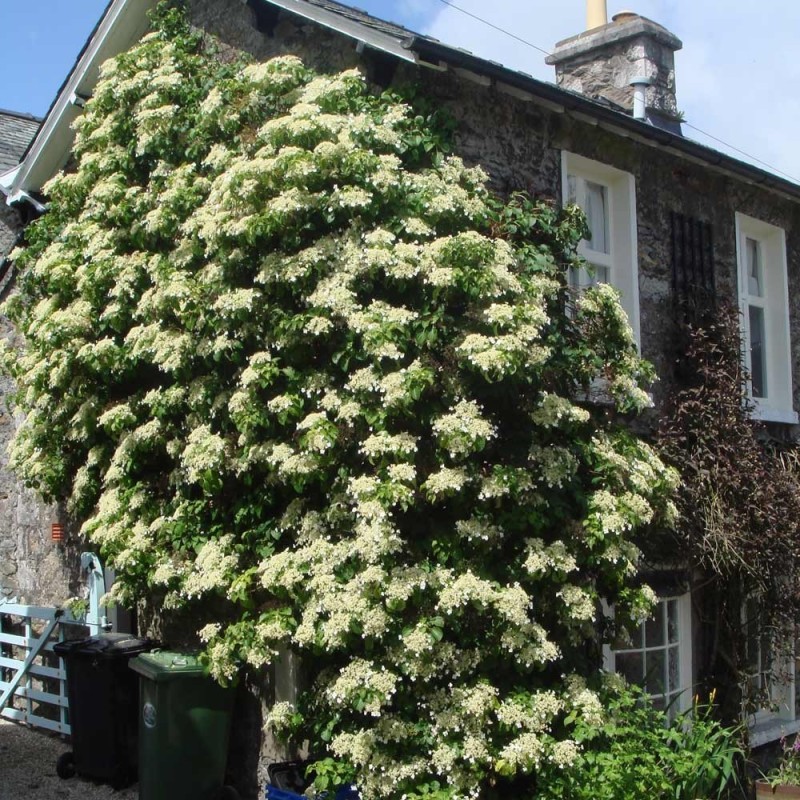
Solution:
(357, 15)
(16, 132)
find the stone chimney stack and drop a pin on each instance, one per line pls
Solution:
(605, 62)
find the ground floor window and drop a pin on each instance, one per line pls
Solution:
(769, 696)
(657, 656)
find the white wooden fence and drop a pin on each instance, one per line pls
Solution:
(32, 677)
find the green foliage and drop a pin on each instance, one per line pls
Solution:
(787, 770)
(301, 375)
(640, 752)
(329, 774)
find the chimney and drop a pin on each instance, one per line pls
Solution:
(630, 58)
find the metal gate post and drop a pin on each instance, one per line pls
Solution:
(96, 617)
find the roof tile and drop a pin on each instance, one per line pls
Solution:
(16, 132)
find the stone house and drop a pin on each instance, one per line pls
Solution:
(666, 214)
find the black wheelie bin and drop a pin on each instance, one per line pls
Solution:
(103, 697)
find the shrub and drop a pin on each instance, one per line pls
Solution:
(639, 751)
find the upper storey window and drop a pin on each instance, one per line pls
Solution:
(763, 298)
(607, 197)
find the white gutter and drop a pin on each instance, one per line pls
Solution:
(7, 179)
(124, 22)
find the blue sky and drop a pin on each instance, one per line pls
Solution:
(41, 40)
(735, 80)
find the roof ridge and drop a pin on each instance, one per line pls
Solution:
(20, 115)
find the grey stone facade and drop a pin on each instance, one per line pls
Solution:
(519, 142)
(32, 567)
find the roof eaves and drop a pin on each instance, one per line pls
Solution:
(122, 22)
(390, 39)
(23, 115)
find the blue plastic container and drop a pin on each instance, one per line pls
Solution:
(342, 793)
(288, 782)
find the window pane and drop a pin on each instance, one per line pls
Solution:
(674, 672)
(758, 365)
(755, 273)
(600, 275)
(596, 211)
(655, 671)
(674, 705)
(584, 277)
(572, 189)
(659, 703)
(652, 659)
(672, 621)
(636, 636)
(631, 667)
(654, 628)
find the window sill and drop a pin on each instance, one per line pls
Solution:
(769, 414)
(770, 730)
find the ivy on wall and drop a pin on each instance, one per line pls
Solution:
(284, 354)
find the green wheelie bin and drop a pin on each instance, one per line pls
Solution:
(184, 725)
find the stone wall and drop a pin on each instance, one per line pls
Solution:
(32, 567)
(519, 143)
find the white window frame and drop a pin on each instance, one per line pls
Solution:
(684, 645)
(781, 719)
(622, 262)
(777, 403)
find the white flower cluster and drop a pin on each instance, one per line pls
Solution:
(204, 452)
(446, 481)
(555, 465)
(554, 410)
(464, 430)
(556, 556)
(384, 443)
(578, 601)
(361, 678)
(213, 567)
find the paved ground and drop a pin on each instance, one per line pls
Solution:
(28, 769)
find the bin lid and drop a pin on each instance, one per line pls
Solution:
(104, 645)
(167, 665)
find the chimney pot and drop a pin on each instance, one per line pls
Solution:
(596, 14)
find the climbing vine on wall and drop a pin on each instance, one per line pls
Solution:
(738, 502)
(285, 355)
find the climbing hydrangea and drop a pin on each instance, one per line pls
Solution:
(281, 358)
